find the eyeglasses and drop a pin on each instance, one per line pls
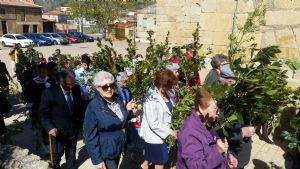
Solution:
(106, 86)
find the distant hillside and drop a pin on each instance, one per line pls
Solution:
(49, 5)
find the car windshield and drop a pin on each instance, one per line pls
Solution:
(40, 36)
(47, 35)
(72, 36)
(20, 37)
(55, 35)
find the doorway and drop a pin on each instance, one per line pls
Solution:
(4, 27)
(25, 28)
(34, 28)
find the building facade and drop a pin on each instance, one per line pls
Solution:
(146, 21)
(20, 16)
(61, 20)
(216, 21)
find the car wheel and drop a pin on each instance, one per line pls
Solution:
(85, 40)
(55, 43)
(3, 44)
(38, 44)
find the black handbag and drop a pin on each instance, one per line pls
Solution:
(5, 105)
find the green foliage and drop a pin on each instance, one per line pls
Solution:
(243, 39)
(103, 12)
(143, 71)
(293, 137)
(261, 92)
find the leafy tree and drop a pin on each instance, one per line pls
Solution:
(104, 11)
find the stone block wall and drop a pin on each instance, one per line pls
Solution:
(215, 17)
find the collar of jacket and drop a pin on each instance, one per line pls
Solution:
(156, 96)
(103, 105)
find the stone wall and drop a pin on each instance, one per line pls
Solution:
(215, 17)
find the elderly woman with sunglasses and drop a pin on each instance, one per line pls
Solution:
(105, 119)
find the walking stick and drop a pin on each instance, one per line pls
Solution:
(51, 151)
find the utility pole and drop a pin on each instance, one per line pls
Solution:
(233, 26)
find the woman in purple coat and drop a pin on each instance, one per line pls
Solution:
(199, 147)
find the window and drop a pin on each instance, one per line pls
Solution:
(144, 23)
(22, 14)
(2, 11)
(10, 37)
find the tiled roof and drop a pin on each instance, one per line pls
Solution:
(18, 3)
(54, 13)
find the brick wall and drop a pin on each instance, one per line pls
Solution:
(216, 16)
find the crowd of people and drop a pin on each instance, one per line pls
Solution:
(115, 125)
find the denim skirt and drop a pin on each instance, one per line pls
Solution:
(156, 153)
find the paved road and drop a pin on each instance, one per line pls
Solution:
(73, 50)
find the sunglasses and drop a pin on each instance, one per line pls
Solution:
(107, 86)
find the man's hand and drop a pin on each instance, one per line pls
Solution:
(248, 131)
(101, 166)
(53, 132)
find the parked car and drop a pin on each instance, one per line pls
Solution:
(56, 38)
(15, 39)
(82, 36)
(70, 38)
(38, 39)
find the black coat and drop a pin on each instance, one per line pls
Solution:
(55, 113)
(3, 75)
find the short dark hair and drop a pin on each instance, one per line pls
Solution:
(66, 73)
(165, 78)
(42, 66)
(51, 65)
(77, 62)
(85, 58)
(217, 60)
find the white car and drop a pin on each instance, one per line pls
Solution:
(15, 39)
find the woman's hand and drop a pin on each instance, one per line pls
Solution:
(222, 146)
(130, 105)
(101, 166)
(232, 161)
(138, 109)
(174, 133)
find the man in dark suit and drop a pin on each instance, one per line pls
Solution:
(60, 115)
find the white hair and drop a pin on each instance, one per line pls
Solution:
(100, 76)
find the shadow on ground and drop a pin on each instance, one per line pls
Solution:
(258, 164)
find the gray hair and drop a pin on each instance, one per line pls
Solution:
(217, 60)
(100, 76)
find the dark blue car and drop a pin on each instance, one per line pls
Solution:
(39, 40)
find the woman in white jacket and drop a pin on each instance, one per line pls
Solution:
(157, 106)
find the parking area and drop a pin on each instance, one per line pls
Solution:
(73, 49)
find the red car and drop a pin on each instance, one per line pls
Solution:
(70, 38)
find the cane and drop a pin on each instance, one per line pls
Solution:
(51, 150)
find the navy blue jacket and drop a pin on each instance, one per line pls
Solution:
(54, 111)
(104, 132)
